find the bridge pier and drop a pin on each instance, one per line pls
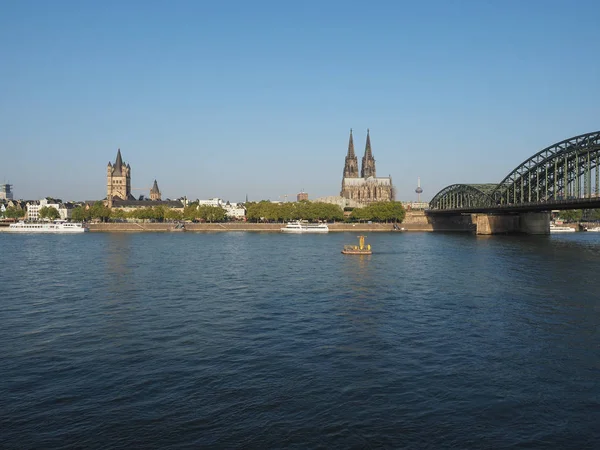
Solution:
(535, 222)
(497, 224)
(527, 222)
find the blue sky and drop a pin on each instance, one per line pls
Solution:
(233, 98)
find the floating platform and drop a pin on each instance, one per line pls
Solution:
(360, 249)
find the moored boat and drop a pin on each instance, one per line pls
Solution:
(594, 229)
(304, 227)
(561, 229)
(47, 227)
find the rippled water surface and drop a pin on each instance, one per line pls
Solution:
(251, 340)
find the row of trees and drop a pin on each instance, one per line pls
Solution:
(14, 213)
(312, 211)
(266, 211)
(380, 212)
(263, 211)
(45, 212)
(158, 213)
(578, 215)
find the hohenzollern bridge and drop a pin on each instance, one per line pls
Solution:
(565, 175)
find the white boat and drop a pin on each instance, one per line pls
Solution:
(594, 229)
(47, 227)
(561, 229)
(304, 227)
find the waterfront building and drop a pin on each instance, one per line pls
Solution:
(64, 209)
(302, 196)
(118, 181)
(236, 211)
(340, 201)
(155, 192)
(366, 188)
(5, 192)
(132, 205)
(415, 205)
(211, 202)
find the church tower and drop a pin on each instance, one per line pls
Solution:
(118, 180)
(351, 167)
(154, 192)
(368, 162)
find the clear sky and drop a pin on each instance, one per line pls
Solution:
(226, 98)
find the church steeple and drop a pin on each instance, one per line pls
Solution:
(119, 160)
(155, 192)
(118, 163)
(368, 162)
(351, 166)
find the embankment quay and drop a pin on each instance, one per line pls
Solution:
(413, 222)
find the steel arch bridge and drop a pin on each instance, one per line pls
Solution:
(565, 175)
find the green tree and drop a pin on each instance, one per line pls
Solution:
(190, 212)
(14, 213)
(158, 213)
(211, 213)
(173, 214)
(100, 212)
(571, 215)
(80, 214)
(49, 212)
(593, 214)
(117, 214)
(380, 212)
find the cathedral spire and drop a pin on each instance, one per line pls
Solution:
(368, 162)
(368, 152)
(351, 153)
(351, 166)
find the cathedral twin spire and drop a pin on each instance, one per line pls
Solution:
(368, 162)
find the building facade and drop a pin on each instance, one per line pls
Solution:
(5, 192)
(118, 181)
(366, 188)
(33, 209)
(302, 196)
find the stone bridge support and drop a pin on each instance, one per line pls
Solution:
(528, 223)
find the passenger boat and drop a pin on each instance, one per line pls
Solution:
(561, 229)
(594, 229)
(359, 249)
(304, 227)
(47, 227)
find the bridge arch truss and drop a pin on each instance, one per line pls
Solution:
(566, 171)
(463, 196)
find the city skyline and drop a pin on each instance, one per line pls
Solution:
(257, 100)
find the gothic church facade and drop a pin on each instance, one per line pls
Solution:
(366, 188)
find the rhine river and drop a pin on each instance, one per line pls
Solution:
(258, 340)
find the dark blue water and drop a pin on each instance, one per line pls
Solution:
(248, 340)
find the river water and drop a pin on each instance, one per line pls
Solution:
(258, 340)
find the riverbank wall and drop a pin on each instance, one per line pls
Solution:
(414, 221)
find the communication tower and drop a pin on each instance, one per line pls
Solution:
(418, 190)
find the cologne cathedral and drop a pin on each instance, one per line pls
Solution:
(366, 188)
